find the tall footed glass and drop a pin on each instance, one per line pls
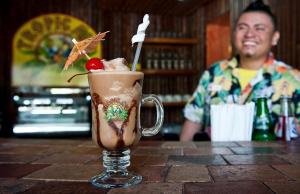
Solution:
(116, 102)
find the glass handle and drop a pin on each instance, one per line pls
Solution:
(159, 115)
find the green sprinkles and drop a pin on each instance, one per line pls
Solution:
(116, 111)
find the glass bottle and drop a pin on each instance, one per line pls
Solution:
(149, 60)
(162, 60)
(155, 59)
(285, 119)
(263, 130)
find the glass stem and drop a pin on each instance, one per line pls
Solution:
(116, 161)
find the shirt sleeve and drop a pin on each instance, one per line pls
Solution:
(296, 103)
(194, 109)
(296, 95)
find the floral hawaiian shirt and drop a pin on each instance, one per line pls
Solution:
(220, 84)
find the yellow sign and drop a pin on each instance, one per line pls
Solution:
(41, 47)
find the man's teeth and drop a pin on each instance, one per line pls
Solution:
(248, 43)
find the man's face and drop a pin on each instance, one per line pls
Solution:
(254, 35)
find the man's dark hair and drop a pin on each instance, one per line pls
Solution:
(260, 6)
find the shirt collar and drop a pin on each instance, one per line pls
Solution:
(268, 66)
(233, 63)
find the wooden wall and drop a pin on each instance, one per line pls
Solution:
(218, 39)
(288, 15)
(204, 15)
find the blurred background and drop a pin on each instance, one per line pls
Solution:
(184, 37)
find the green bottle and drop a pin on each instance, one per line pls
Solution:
(262, 129)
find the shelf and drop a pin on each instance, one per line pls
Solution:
(171, 40)
(167, 104)
(171, 81)
(159, 72)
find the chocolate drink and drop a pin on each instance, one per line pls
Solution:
(116, 97)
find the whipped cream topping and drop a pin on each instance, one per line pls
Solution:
(118, 64)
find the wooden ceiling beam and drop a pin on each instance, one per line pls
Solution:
(165, 7)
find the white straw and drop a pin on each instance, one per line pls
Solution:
(139, 37)
(136, 57)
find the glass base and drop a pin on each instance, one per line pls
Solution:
(108, 180)
(116, 174)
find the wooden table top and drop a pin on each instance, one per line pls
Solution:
(65, 166)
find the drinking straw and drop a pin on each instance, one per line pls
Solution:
(136, 57)
(139, 37)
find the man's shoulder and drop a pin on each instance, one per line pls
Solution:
(282, 64)
(282, 67)
(287, 71)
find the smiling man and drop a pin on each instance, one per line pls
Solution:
(252, 72)
(254, 35)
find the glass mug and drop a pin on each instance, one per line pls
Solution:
(116, 102)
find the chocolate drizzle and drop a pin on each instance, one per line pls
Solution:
(96, 101)
(120, 132)
(139, 81)
(135, 130)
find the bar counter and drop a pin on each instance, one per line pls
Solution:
(65, 166)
